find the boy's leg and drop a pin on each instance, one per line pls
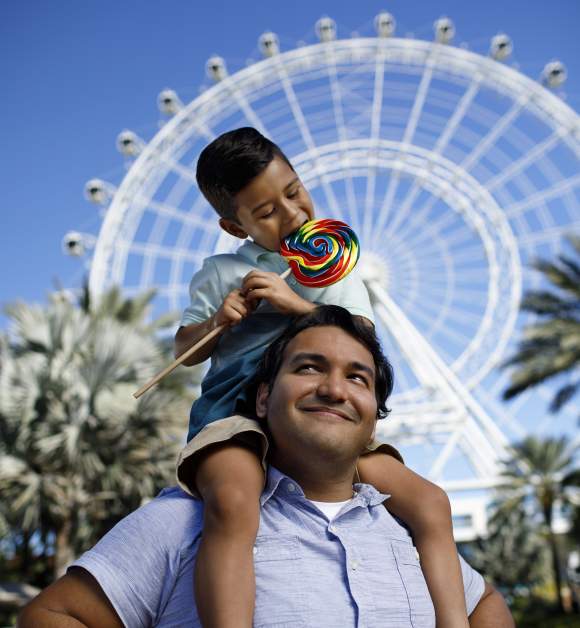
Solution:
(425, 508)
(230, 480)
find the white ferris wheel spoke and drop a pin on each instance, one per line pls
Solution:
(489, 140)
(412, 122)
(558, 189)
(335, 89)
(440, 146)
(305, 132)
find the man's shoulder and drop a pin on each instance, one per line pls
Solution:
(172, 518)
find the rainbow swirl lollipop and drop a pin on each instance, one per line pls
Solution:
(321, 252)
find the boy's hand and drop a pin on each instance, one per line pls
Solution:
(259, 284)
(233, 310)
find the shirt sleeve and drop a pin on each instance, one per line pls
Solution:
(474, 585)
(205, 294)
(350, 293)
(138, 561)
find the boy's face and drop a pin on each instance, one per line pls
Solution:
(271, 206)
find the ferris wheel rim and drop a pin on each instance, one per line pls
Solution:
(553, 108)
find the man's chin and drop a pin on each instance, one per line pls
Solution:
(325, 443)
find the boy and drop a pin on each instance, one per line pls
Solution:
(256, 192)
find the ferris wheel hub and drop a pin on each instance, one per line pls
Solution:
(374, 269)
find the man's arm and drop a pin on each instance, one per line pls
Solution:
(74, 601)
(491, 611)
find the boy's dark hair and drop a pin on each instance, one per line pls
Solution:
(336, 316)
(229, 163)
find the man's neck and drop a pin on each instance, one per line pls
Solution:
(320, 480)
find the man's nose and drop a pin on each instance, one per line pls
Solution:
(332, 387)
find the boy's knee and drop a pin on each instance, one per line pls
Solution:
(437, 506)
(231, 506)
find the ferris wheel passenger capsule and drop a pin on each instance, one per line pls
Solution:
(501, 47)
(444, 30)
(216, 68)
(129, 143)
(554, 74)
(385, 25)
(269, 44)
(326, 29)
(73, 245)
(169, 102)
(98, 191)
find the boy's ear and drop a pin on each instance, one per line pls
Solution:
(261, 400)
(233, 228)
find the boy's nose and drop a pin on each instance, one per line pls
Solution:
(289, 209)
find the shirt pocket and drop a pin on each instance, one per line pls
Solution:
(420, 603)
(280, 594)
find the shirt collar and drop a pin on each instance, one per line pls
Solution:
(278, 482)
(253, 252)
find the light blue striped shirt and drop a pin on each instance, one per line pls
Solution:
(359, 570)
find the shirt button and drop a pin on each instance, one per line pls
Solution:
(255, 550)
(332, 528)
(291, 487)
(354, 565)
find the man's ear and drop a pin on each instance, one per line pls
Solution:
(262, 400)
(233, 228)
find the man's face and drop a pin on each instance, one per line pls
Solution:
(323, 398)
(271, 206)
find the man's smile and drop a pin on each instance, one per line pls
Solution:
(343, 413)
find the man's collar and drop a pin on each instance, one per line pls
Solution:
(278, 482)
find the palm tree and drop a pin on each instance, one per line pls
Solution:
(551, 346)
(513, 553)
(77, 452)
(538, 476)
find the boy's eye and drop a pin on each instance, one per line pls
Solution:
(267, 214)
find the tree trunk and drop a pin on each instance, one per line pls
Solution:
(63, 552)
(555, 557)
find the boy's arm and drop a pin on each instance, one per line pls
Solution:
(190, 334)
(234, 308)
(425, 508)
(74, 601)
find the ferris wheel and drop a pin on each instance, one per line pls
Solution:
(455, 170)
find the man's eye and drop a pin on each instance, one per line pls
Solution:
(359, 378)
(267, 215)
(306, 368)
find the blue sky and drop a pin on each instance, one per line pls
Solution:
(77, 73)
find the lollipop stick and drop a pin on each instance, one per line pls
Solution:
(200, 343)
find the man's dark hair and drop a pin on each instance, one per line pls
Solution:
(229, 163)
(336, 316)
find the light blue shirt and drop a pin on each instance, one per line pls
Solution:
(235, 357)
(359, 570)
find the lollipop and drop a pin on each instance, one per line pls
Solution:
(321, 252)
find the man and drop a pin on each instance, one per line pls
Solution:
(327, 554)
